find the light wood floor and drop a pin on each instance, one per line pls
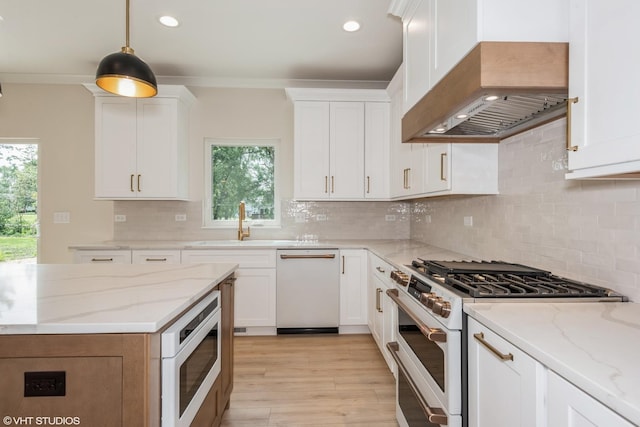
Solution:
(311, 381)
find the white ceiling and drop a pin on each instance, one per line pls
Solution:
(245, 43)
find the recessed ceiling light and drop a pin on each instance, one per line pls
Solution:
(168, 21)
(491, 98)
(351, 26)
(461, 116)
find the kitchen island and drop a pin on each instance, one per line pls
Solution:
(101, 326)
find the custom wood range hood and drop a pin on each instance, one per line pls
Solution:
(497, 90)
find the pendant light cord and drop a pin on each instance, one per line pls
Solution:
(127, 24)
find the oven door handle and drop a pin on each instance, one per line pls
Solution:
(432, 334)
(434, 415)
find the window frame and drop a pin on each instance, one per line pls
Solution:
(207, 202)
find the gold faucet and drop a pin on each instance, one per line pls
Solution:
(241, 216)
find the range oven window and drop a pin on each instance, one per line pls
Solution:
(409, 404)
(428, 352)
(196, 367)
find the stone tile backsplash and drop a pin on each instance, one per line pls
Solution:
(155, 220)
(585, 230)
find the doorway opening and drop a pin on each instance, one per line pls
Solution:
(19, 229)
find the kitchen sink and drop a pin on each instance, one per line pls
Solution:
(255, 243)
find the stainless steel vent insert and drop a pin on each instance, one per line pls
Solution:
(503, 115)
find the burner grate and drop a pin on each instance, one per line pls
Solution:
(496, 279)
(510, 285)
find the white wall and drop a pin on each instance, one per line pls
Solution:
(61, 118)
(584, 230)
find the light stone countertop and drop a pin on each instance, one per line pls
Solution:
(88, 298)
(595, 346)
(398, 252)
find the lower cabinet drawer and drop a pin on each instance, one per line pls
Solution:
(118, 256)
(155, 256)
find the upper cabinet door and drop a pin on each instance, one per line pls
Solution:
(418, 31)
(311, 150)
(376, 149)
(115, 147)
(158, 148)
(346, 124)
(604, 65)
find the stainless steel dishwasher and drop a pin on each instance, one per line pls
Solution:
(308, 291)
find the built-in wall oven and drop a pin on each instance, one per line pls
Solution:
(431, 335)
(190, 361)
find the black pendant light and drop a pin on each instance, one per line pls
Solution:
(123, 73)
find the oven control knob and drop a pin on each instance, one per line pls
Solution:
(400, 277)
(425, 297)
(430, 300)
(442, 308)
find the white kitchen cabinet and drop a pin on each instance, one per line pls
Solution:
(155, 256)
(335, 133)
(461, 169)
(381, 309)
(141, 145)
(604, 64)
(329, 150)
(499, 372)
(255, 287)
(407, 160)
(353, 289)
(376, 150)
(438, 33)
(568, 406)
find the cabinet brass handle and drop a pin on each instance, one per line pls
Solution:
(131, 183)
(139, 189)
(434, 415)
(480, 337)
(368, 185)
(101, 259)
(432, 334)
(342, 264)
(380, 269)
(570, 102)
(326, 184)
(156, 259)
(333, 189)
(378, 305)
(408, 178)
(442, 157)
(323, 256)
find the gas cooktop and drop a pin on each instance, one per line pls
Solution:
(497, 279)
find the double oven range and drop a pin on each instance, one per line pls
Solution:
(431, 342)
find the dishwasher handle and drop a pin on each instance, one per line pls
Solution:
(318, 256)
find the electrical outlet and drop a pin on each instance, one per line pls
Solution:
(321, 217)
(181, 217)
(45, 383)
(468, 221)
(61, 217)
(300, 217)
(389, 217)
(120, 218)
(427, 219)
